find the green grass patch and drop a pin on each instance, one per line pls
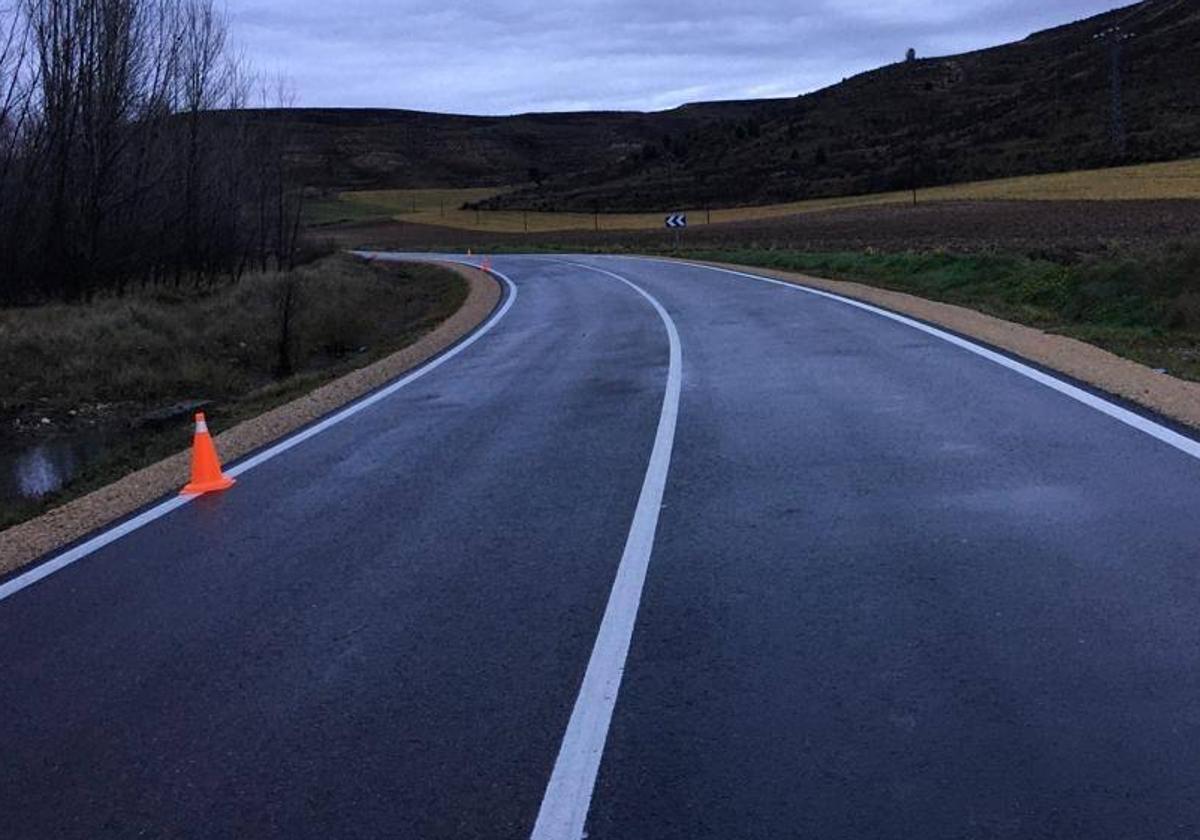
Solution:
(322, 212)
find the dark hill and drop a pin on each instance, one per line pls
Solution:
(342, 148)
(1039, 105)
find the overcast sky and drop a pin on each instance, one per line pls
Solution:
(511, 56)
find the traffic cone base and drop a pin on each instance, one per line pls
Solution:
(206, 468)
(223, 483)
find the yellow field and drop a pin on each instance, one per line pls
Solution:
(1180, 179)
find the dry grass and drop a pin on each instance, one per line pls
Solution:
(169, 344)
(1175, 180)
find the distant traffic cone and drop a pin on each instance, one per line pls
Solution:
(469, 254)
(487, 263)
(206, 469)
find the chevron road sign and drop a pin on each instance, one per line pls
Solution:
(677, 220)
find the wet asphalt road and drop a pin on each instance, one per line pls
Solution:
(896, 591)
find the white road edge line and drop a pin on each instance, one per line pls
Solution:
(568, 797)
(1155, 430)
(44, 570)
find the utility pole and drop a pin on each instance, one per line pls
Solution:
(1116, 38)
(917, 135)
(912, 173)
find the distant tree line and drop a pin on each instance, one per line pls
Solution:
(123, 156)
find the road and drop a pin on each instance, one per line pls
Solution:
(683, 553)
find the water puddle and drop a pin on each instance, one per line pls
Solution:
(30, 471)
(33, 467)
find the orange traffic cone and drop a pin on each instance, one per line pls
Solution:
(206, 469)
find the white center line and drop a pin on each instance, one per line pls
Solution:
(569, 793)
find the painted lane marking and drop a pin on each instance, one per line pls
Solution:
(111, 535)
(1132, 419)
(564, 808)
(44, 570)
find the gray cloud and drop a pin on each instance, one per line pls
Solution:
(488, 57)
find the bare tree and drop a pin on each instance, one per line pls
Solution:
(203, 78)
(279, 200)
(126, 153)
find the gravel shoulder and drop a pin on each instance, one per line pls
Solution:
(24, 543)
(1173, 398)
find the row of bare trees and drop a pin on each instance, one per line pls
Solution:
(126, 153)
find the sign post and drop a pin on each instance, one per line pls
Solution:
(677, 222)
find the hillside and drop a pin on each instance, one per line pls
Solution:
(1039, 105)
(345, 149)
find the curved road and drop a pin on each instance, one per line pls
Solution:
(672, 550)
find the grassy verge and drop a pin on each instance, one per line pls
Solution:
(120, 365)
(1144, 307)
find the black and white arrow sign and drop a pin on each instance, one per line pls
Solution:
(677, 220)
